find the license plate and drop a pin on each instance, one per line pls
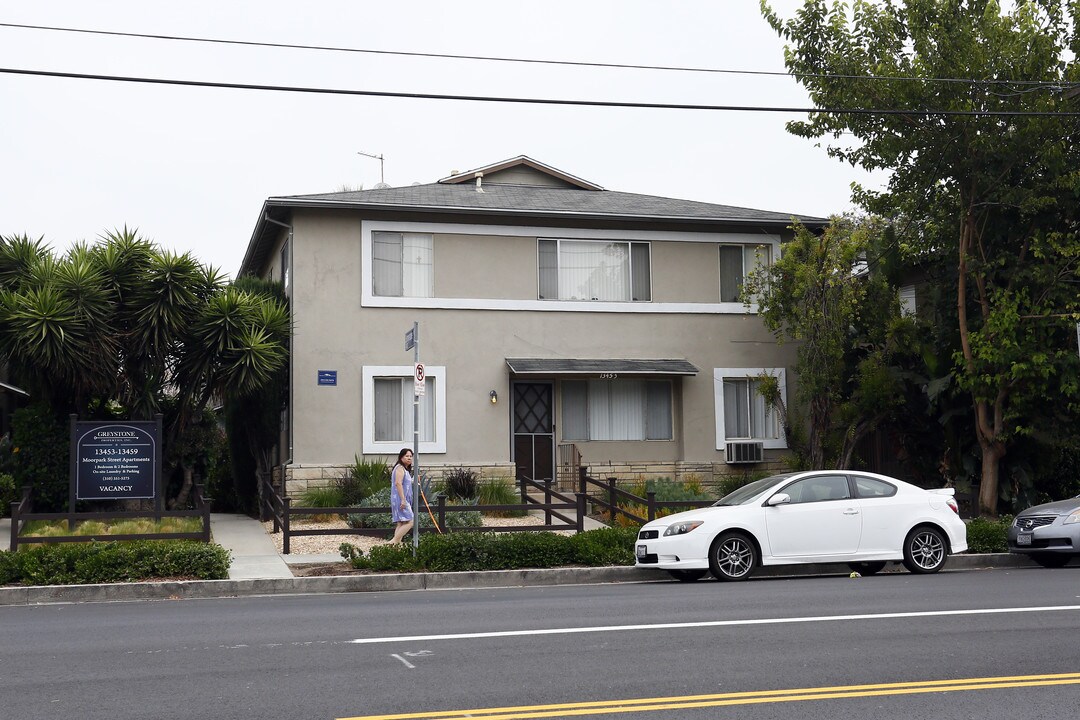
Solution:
(641, 551)
(1023, 539)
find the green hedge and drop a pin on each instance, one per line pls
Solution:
(985, 535)
(463, 551)
(105, 562)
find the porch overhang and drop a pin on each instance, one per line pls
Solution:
(573, 366)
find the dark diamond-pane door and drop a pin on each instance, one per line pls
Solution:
(534, 439)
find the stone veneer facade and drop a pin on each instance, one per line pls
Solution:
(298, 478)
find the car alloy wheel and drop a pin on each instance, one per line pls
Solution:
(924, 550)
(732, 557)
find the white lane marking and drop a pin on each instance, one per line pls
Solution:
(713, 623)
(407, 663)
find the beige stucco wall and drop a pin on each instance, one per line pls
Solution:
(334, 332)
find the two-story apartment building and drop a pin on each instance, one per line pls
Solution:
(553, 315)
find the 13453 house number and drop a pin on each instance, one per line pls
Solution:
(608, 376)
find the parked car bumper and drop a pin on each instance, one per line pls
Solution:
(1054, 538)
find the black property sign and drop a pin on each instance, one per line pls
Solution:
(118, 460)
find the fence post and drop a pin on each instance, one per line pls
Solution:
(441, 503)
(583, 481)
(14, 526)
(285, 523)
(547, 502)
(581, 511)
(274, 508)
(611, 498)
(205, 502)
(651, 495)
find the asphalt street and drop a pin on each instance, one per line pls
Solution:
(961, 644)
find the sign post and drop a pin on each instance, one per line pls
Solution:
(412, 342)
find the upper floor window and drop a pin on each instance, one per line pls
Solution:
(402, 264)
(616, 410)
(594, 270)
(736, 262)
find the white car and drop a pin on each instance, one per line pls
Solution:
(822, 516)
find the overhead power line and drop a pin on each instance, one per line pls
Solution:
(534, 61)
(528, 100)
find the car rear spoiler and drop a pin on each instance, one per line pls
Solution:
(951, 492)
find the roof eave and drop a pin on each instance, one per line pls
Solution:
(457, 210)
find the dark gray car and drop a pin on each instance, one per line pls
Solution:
(1049, 533)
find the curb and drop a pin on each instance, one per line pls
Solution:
(392, 582)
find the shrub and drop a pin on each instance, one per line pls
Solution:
(470, 551)
(460, 484)
(102, 562)
(606, 546)
(986, 535)
(500, 491)
(381, 499)
(321, 497)
(364, 479)
(8, 494)
(40, 451)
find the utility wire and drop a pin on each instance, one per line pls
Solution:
(571, 63)
(534, 101)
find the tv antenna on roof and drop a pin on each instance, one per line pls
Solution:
(382, 183)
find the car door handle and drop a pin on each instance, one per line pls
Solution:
(851, 511)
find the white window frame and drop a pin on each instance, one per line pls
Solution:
(369, 373)
(369, 299)
(718, 402)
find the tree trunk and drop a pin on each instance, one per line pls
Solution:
(182, 497)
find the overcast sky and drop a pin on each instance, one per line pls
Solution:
(190, 167)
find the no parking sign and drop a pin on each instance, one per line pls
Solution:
(418, 379)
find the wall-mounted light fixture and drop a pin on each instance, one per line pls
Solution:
(494, 397)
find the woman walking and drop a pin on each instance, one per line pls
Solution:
(401, 483)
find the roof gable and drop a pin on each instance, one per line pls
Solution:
(522, 170)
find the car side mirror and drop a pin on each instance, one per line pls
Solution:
(778, 499)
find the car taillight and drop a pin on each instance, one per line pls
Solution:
(952, 504)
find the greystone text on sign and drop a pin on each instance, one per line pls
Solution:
(116, 461)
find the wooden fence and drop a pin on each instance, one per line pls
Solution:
(22, 513)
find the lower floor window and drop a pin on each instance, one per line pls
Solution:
(616, 410)
(394, 412)
(746, 414)
(741, 411)
(388, 409)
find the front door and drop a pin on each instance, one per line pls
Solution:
(534, 431)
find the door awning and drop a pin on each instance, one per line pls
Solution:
(571, 366)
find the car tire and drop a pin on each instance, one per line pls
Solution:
(867, 568)
(1051, 560)
(733, 557)
(687, 575)
(925, 550)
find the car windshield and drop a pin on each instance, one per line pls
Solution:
(747, 492)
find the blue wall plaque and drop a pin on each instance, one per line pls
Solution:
(328, 377)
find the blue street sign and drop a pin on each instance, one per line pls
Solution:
(328, 377)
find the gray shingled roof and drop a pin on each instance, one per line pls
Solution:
(533, 199)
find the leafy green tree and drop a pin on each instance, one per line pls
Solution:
(124, 328)
(964, 105)
(823, 294)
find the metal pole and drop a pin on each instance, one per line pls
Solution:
(416, 445)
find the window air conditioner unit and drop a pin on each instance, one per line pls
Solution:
(746, 451)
